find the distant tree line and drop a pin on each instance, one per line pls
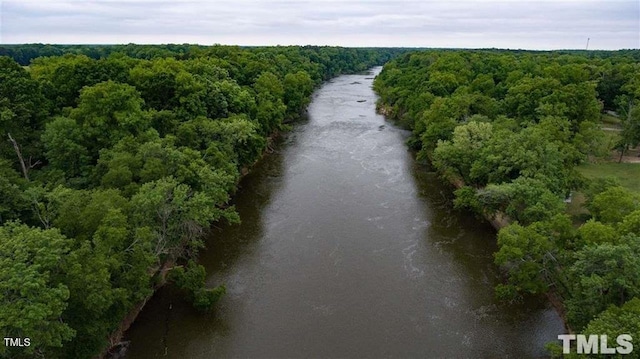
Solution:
(509, 128)
(115, 160)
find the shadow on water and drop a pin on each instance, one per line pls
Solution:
(168, 318)
(228, 244)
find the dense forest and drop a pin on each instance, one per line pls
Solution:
(515, 132)
(114, 162)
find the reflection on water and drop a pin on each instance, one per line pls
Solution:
(347, 248)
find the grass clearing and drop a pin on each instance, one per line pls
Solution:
(627, 173)
(609, 120)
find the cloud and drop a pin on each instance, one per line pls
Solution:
(610, 24)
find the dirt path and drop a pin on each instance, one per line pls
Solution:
(631, 159)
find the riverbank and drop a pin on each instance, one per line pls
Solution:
(152, 149)
(517, 136)
(117, 347)
(346, 250)
(498, 221)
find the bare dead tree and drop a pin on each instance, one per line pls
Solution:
(19, 153)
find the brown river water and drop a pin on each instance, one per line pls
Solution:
(347, 248)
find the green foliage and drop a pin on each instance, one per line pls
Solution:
(525, 200)
(192, 279)
(617, 320)
(464, 151)
(532, 256)
(108, 112)
(595, 186)
(442, 117)
(32, 297)
(205, 298)
(12, 202)
(603, 274)
(510, 129)
(613, 79)
(271, 108)
(466, 198)
(630, 136)
(297, 91)
(612, 205)
(525, 253)
(593, 232)
(65, 150)
(23, 111)
(525, 96)
(62, 78)
(531, 201)
(630, 224)
(131, 152)
(175, 214)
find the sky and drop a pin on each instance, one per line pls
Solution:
(515, 24)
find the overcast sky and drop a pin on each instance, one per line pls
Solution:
(546, 24)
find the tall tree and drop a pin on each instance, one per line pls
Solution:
(32, 295)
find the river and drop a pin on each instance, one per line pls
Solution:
(347, 248)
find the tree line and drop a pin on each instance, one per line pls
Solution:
(114, 162)
(509, 128)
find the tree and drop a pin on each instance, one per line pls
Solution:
(617, 320)
(23, 111)
(63, 77)
(464, 150)
(192, 279)
(612, 79)
(630, 135)
(12, 203)
(106, 113)
(525, 200)
(630, 114)
(524, 97)
(442, 83)
(239, 99)
(593, 232)
(175, 214)
(603, 274)
(528, 153)
(269, 86)
(297, 91)
(441, 118)
(158, 87)
(65, 149)
(271, 108)
(237, 136)
(32, 296)
(241, 136)
(631, 223)
(612, 205)
(531, 201)
(527, 256)
(577, 102)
